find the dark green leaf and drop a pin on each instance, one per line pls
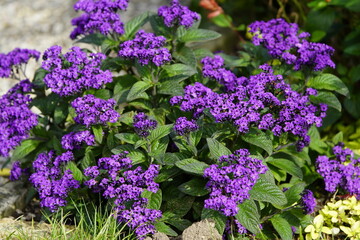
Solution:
(293, 193)
(282, 227)
(328, 98)
(287, 165)
(329, 82)
(131, 138)
(160, 132)
(179, 223)
(249, 216)
(193, 166)
(95, 38)
(220, 220)
(132, 26)
(194, 187)
(353, 49)
(138, 90)
(98, 133)
(259, 138)
(103, 94)
(185, 55)
(199, 35)
(180, 206)
(172, 88)
(88, 160)
(162, 227)
(76, 172)
(267, 192)
(155, 199)
(60, 113)
(38, 81)
(136, 155)
(25, 148)
(217, 149)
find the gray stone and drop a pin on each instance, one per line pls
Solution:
(12, 197)
(158, 236)
(203, 230)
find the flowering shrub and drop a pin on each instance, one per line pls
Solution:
(167, 133)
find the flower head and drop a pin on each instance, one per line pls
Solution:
(177, 15)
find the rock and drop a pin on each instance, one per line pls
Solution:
(158, 236)
(12, 197)
(203, 230)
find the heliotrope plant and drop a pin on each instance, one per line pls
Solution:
(166, 132)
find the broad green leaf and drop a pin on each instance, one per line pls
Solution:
(267, 192)
(131, 138)
(160, 146)
(179, 223)
(138, 90)
(180, 206)
(103, 94)
(157, 24)
(200, 53)
(282, 226)
(329, 82)
(98, 133)
(193, 166)
(217, 149)
(123, 83)
(199, 35)
(38, 80)
(172, 88)
(76, 172)
(293, 193)
(248, 215)
(89, 159)
(162, 227)
(220, 220)
(339, 137)
(25, 148)
(109, 44)
(94, 38)
(328, 98)
(160, 132)
(259, 138)
(60, 113)
(132, 26)
(287, 165)
(136, 155)
(222, 20)
(179, 68)
(185, 55)
(194, 187)
(353, 49)
(167, 159)
(155, 199)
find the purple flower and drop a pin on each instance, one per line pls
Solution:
(15, 58)
(73, 72)
(16, 118)
(183, 126)
(177, 15)
(91, 110)
(308, 201)
(115, 179)
(51, 181)
(17, 171)
(231, 180)
(100, 16)
(284, 41)
(74, 140)
(146, 48)
(143, 124)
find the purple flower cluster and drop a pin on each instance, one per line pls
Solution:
(183, 126)
(284, 41)
(16, 57)
(100, 16)
(263, 100)
(178, 15)
(91, 110)
(341, 171)
(16, 118)
(146, 48)
(52, 183)
(17, 171)
(231, 180)
(74, 71)
(234, 226)
(114, 178)
(308, 201)
(74, 140)
(143, 124)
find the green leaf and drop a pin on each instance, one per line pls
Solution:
(199, 35)
(162, 227)
(287, 165)
(103, 94)
(179, 223)
(293, 193)
(216, 148)
(138, 90)
(76, 172)
(339, 137)
(185, 55)
(131, 138)
(259, 138)
(38, 81)
(193, 166)
(329, 82)
(89, 159)
(328, 98)
(98, 133)
(180, 206)
(60, 113)
(248, 215)
(132, 26)
(220, 220)
(160, 132)
(267, 192)
(222, 20)
(195, 187)
(157, 24)
(353, 49)
(172, 88)
(282, 226)
(178, 72)
(155, 199)
(136, 155)
(167, 159)
(95, 38)
(25, 148)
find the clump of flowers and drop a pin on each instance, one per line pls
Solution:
(234, 226)
(16, 118)
(146, 48)
(143, 124)
(16, 171)
(114, 178)
(15, 58)
(263, 100)
(91, 110)
(183, 126)
(74, 140)
(341, 171)
(178, 15)
(338, 218)
(74, 71)
(283, 40)
(100, 16)
(308, 201)
(51, 181)
(231, 180)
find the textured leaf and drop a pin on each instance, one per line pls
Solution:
(155, 199)
(178, 72)
(267, 192)
(162, 227)
(172, 88)
(76, 172)
(282, 226)
(138, 90)
(199, 35)
(288, 166)
(248, 216)
(216, 148)
(160, 132)
(95, 38)
(293, 193)
(136, 155)
(131, 138)
(132, 26)
(185, 55)
(25, 148)
(220, 220)
(329, 82)
(260, 139)
(98, 133)
(328, 98)
(194, 187)
(191, 165)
